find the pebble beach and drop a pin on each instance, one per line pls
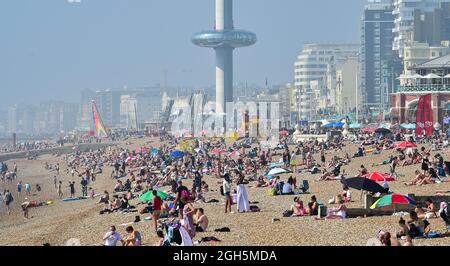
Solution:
(55, 224)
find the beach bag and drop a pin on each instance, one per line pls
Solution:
(272, 192)
(221, 191)
(288, 213)
(185, 193)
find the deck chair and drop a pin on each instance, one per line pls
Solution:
(305, 186)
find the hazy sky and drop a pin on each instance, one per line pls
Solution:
(51, 49)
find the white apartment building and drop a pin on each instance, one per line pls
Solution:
(404, 19)
(311, 68)
(416, 53)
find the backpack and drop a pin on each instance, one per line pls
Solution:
(185, 193)
(288, 213)
(272, 192)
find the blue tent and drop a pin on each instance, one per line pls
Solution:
(334, 124)
(177, 154)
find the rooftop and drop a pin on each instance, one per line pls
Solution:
(441, 62)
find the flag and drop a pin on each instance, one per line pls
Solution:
(100, 131)
(424, 116)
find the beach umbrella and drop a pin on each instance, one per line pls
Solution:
(277, 171)
(382, 130)
(379, 177)
(334, 124)
(355, 126)
(393, 200)
(219, 150)
(362, 183)
(177, 154)
(274, 165)
(284, 133)
(234, 153)
(408, 126)
(432, 76)
(405, 145)
(148, 196)
(369, 129)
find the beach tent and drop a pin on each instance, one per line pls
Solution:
(148, 196)
(274, 165)
(362, 183)
(277, 171)
(393, 200)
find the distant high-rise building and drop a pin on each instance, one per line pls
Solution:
(404, 19)
(431, 27)
(311, 69)
(21, 119)
(380, 65)
(85, 111)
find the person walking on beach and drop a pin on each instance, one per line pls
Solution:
(8, 199)
(27, 188)
(72, 189)
(59, 189)
(19, 189)
(84, 184)
(226, 186)
(157, 204)
(55, 182)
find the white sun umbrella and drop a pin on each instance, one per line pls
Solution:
(432, 76)
(417, 76)
(277, 171)
(447, 76)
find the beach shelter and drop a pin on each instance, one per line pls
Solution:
(148, 196)
(393, 200)
(277, 171)
(177, 154)
(379, 177)
(362, 183)
(405, 145)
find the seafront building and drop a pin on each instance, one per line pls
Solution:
(432, 77)
(313, 95)
(404, 19)
(380, 65)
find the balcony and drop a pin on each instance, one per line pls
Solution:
(425, 88)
